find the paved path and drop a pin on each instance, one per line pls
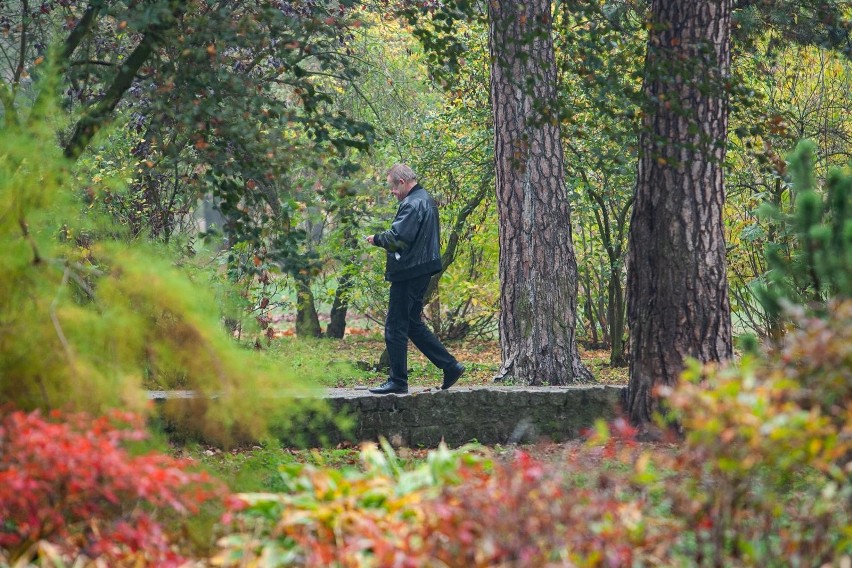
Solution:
(355, 392)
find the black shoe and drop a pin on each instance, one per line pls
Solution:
(451, 375)
(390, 387)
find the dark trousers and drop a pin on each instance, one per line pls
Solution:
(404, 322)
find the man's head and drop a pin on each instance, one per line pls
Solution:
(401, 179)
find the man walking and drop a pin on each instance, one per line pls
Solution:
(413, 256)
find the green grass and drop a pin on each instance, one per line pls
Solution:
(350, 362)
(256, 468)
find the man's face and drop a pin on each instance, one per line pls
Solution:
(399, 188)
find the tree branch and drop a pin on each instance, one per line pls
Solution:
(83, 27)
(22, 54)
(100, 115)
(81, 30)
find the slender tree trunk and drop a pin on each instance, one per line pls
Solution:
(774, 325)
(616, 319)
(538, 270)
(340, 306)
(456, 232)
(602, 305)
(677, 301)
(337, 317)
(307, 319)
(591, 315)
(435, 314)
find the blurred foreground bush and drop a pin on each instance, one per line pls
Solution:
(89, 317)
(762, 478)
(812, 262)
(767, 459)
(72, 494)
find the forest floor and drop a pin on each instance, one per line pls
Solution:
(351, 362)
(255, 468)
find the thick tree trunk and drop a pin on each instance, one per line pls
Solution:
(677, 286)
(538, 270)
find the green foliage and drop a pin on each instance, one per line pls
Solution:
(818, 266)
(600, 51)
(217, 99)
(85, 325)
(823, 23)
(775, 110)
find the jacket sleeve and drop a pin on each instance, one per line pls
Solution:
(403, 230)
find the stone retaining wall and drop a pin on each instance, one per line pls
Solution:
(488, 415)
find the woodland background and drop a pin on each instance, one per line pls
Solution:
(186, 185)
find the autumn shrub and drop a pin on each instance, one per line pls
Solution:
(72, 492)
(532, 513)
(767, 460)
(348, 517)
(762, 477)
(455, 509)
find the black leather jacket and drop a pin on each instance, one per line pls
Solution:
(413, 241)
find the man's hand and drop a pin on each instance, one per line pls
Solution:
(369, 239)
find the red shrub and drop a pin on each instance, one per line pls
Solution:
(526, 513)
(69, 481)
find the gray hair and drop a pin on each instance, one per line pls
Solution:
(401, 171)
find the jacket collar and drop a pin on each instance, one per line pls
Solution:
(413, 189)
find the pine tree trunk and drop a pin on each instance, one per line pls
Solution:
(538, 270)
(677, 293)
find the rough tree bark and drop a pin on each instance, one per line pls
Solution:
(678, 303)
(538, 269)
